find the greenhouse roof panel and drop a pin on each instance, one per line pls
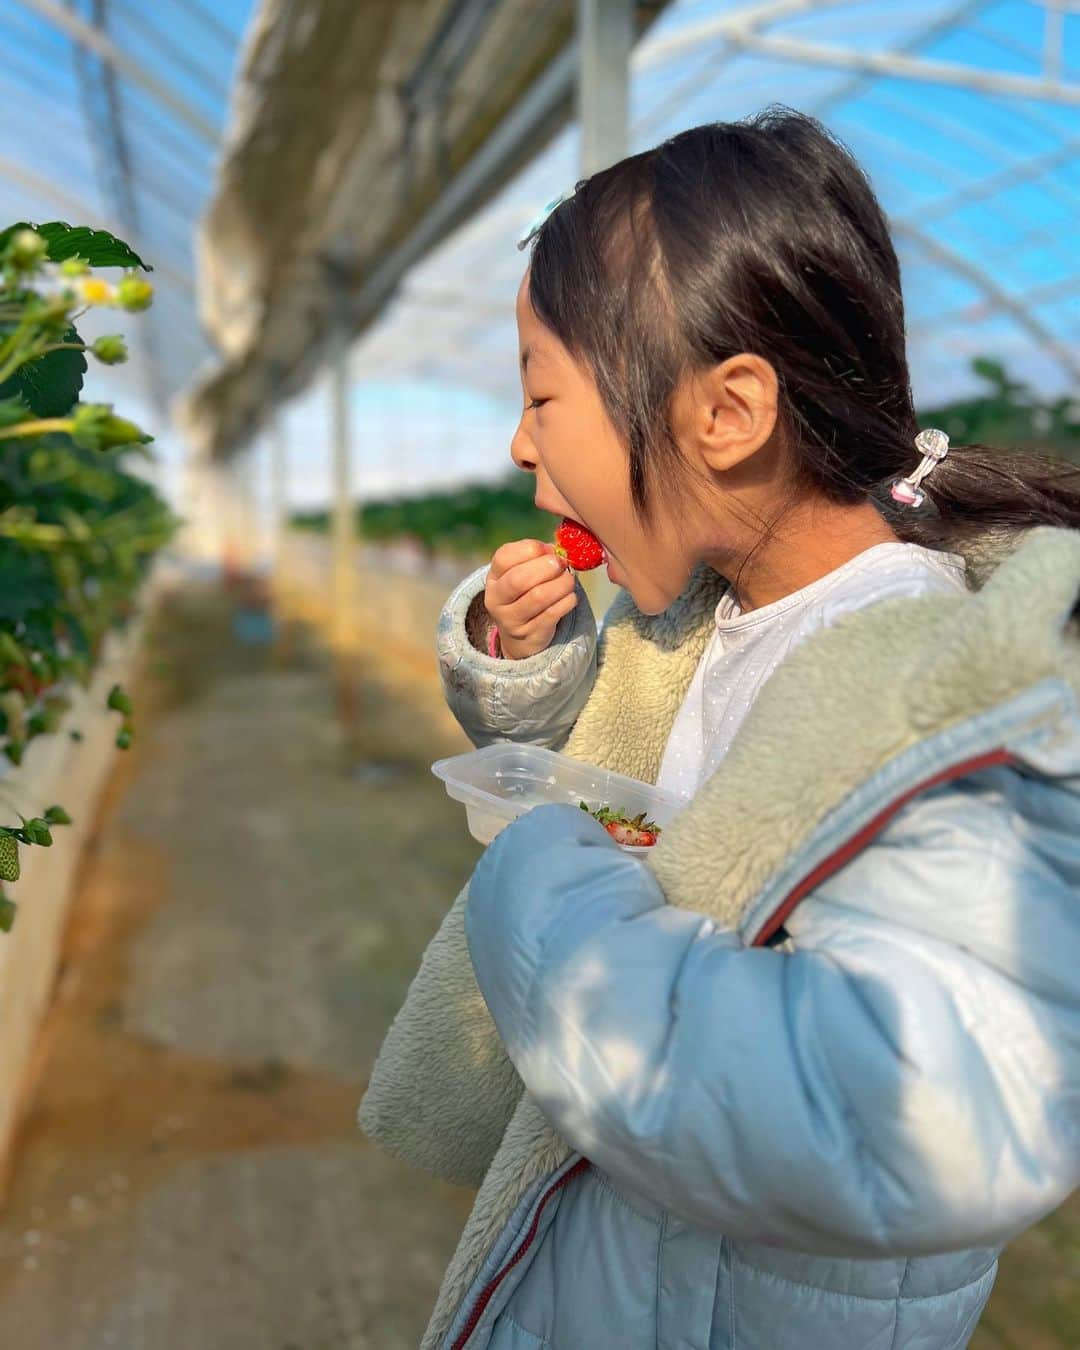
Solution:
(125, 116)
(980, 182)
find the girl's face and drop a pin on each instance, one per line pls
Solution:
(582, 471)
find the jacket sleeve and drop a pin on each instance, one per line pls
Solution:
(535, 701)
(886, 1093)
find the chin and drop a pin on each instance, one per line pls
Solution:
(650, 604)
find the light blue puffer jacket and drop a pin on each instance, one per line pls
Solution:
(826, 1142)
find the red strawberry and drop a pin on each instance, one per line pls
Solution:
(623, 829)
(579, 546)
(628, 834)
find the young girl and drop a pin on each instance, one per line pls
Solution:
(796, 1079)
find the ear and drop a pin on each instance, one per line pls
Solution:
(726, 412)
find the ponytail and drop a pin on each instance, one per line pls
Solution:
(976, 487)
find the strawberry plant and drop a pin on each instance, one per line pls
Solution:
(77, 530)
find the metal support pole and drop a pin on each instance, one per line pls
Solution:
(605, 41)
(279, 467)
(343, 532)
(201, 507)
(344, 590)
(241, 547)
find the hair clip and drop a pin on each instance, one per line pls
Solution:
(934, 445)
(538, 221)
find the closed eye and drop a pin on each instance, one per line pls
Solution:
(536, 403)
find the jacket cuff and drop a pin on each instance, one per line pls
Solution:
(534, 701)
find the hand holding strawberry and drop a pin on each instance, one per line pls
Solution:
(530, 586)
(528, 591)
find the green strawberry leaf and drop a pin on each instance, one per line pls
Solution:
(37, 831)
(50, 384)
(15, 409)
(97, 247)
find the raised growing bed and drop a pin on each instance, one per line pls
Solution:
(78, 535)
(56, 768)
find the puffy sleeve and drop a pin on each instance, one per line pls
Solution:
(881, 1090)
(534, 701)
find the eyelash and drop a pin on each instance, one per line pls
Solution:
(536, 403)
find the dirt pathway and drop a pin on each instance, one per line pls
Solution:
(249, 914)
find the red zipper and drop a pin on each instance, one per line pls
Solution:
(836, 860)
(485, 1297)
(825, 868)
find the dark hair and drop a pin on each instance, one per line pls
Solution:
(765, 236)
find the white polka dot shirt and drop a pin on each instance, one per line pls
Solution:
(744, 649)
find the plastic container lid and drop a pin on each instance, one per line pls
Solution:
(500, 782)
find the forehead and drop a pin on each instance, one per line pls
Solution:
(537, 343)
(523, 308)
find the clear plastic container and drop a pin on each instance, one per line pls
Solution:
(500, 782)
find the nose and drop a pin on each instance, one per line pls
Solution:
(522, 451)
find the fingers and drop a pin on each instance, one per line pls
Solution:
(535, 634)
(528, 590)
(550, 617)
(521, 578)
(540, 603)
(517, 551)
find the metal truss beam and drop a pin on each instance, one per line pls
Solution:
(664, 47)
(100, 43)
(946, 73)
(1038, 295)
(741, 31)
(943, 22)
(1067, 358)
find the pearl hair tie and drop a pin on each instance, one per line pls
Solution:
(934, 445)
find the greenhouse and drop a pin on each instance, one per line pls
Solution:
(272, 460)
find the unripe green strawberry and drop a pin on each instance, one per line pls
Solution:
(25, 249)
(134, 294)
(9, 858)
(110, 350)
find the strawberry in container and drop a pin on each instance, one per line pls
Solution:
(630, 831)
(500, 782)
